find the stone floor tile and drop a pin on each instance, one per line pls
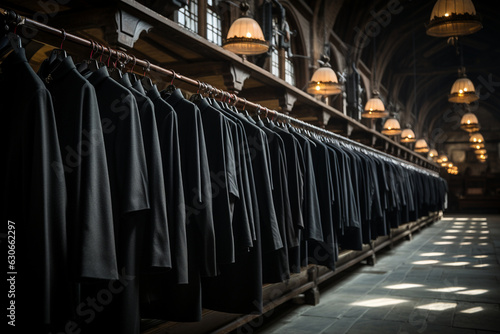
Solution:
(449, 298)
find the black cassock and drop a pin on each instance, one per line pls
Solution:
(182, 302)
(128, 174)
(34, 198)
(225, 190)
(238, 287)
(168, 132)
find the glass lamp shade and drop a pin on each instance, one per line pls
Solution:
(245, 37)
(374, 108)
(480, 151)
(470, 123)
(453, 18)
(421, 146)
(408, 136)
(476, 138)
(478, 146)
(391, 127)
(443, 158)
(482, 156)
(324, 82)
(463, 91)
(433, 154)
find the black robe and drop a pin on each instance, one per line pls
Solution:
(34, 200)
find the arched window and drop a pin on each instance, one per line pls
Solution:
(281, 63)
(289, 70)
(188, 16)
(214, 31)
(202, 17)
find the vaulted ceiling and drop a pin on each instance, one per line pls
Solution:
(419, 70)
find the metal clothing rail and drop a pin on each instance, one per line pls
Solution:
(17, 20)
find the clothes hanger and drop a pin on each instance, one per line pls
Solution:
(259, 111)
(133, 77)
(196, 98)
(146, 80)
(15, 40)
(58, 55)
(89, 65)
(171, 88)
(115, 72)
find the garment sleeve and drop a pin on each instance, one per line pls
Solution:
(97, 251)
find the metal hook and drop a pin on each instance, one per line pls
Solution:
(244, 103)
(93, 48)
(109, 50)
(127, 60)
(147, 69)
(118, 56)
(174, 75)
(64, 38)
(259, 108)
(135, 62)
(235, 100)
(199, 86)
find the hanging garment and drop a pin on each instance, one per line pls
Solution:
(168, 132)
(222, 166)
(351, 237)
(295, 181)
(90, 229)
(183, 302)
(275, 266)
(157, 252)
(130, 193)
(238, 287)
(242, 218)
(312, 214)
(323, 252)
(35, 200)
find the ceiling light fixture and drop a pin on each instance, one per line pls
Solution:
(408, 136)
(463, 90)
(433, 154)
(324, 81)
(453, 18)
(245, 36)
(374, 108)
(476, 138)
(391, 127)
(421, 146)
(470, 123)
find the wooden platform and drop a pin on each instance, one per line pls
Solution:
(305, 284)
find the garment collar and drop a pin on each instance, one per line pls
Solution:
(15, 57)
(175, 97)
(153, 93)
(60, 71)
(98, 76)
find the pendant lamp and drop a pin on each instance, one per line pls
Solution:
(245, 36)
(324, 82)
(482, 156)
(463, 90)
(421, 146)
(391, 127)
(476, 138)
(453, 18)
(470, 123)
(442, 158)
(433, 154)
(408, 136)
(480, 151)
(374, 108)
